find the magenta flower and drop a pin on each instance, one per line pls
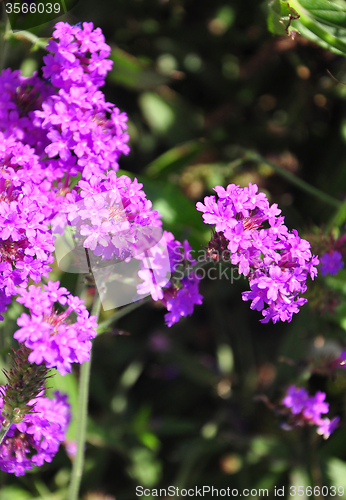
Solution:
(331, 263)
(275, 260)
(53, 338)
(307, 410)
(37, 439)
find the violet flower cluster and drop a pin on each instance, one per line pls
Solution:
(308, 410)
(179, 296)
(52, 337)
(37, 438)
(80, 135)
(275, 260)
(51, 130)
(111, 216)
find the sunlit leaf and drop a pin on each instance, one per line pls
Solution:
(278, 17)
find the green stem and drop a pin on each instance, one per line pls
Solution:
(30, 37)
(82, 417)
(296, 181)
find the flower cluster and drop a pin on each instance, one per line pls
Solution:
(37, 438)
(53, 339)
(307, 409)
(81, 136)
(178, 295)
(53, 129)
(111, 216)
(26, 204)
(276, 261)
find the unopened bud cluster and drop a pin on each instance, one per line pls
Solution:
(25, 382)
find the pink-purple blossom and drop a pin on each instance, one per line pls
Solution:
(308, 410)
(331, 263)
(55, 338)
(275, 260)
(37, 439)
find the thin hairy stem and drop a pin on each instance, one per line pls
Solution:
(82, 417)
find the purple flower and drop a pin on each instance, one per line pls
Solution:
(315, 406)
(178, 295)
(276, 261)
(331, 263)
(182, 301)
(326, 426)
(307, 410)
(76, 118)
(295, 399)
(37, 439)
(27, 202)
(52, 337)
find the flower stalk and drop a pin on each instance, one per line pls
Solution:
(82, 417)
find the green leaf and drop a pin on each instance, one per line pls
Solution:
(170, 116)
(321, 21)
(326, 12)
(174, 159)
(67, 385)
(278, 17)
(15, 493)
(131, 73)
(336, 471)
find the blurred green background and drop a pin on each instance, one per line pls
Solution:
(212, 98)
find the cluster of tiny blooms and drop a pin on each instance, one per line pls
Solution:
(51, 129)
(52, 337)
(309, 410)
(84, 133)
(111, 216)
(26, 204)
(331, 263)
(55, 131)
(275, 260)
(37, 439)
(179, 296)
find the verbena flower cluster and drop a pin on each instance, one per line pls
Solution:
(60, 143)
(52, 337)
(275, 260)
(178, 295)
(51, 130)
(112, 217)
(307, 409)
(84, 132)
(37, 438)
